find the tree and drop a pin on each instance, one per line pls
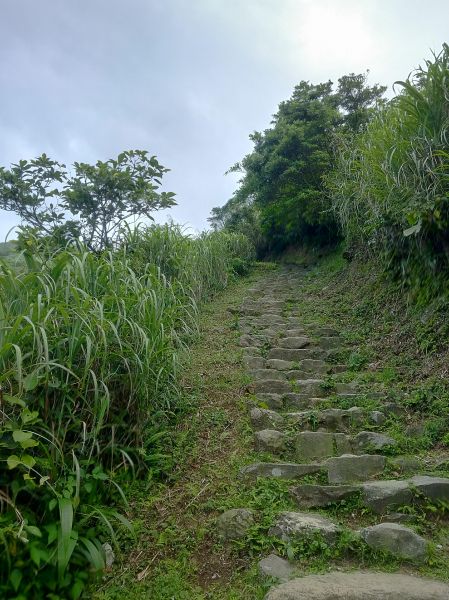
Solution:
(283, 177)
(93, 204)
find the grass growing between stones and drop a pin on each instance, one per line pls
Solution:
(392, 349)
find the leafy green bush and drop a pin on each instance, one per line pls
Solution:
(90, 348)
(390, 188)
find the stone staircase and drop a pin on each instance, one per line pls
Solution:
(306, 423)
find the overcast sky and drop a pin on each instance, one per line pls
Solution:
(187, 80)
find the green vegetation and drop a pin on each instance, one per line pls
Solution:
(91, 346)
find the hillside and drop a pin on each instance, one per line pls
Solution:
(295, 368)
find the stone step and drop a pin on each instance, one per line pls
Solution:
(336, 420)
(296, 354)
(280, 470)
(360, 585)
(312, 445)
(381, 497)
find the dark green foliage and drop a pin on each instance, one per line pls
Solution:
(390, 186)
(281, 193)
(99, 198)
(90, 349)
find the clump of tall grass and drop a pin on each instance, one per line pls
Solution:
(90, 349)
(390, 188)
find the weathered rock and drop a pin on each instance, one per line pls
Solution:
(254, 362)
(383, 496)
(268, 374)
(405, 464)
(252, 341)
(329, 343)
(346, 389)
(233, 524)
(261, 418)
(310, 388)
(434, 488)
(371, 440)
(273, 401)
(356, 414)
(377, 417)
(343, 444)
(295, 343)
(270, 440)
(109, 555)
(350, 467)
(335, 419)
(288, 354)
(251, 351)
(400, 541)
(310, 445)
(276, 567)
(293, 400)
(313, 365)
(312, 496)
(415, 430)
(297, 526)
(281, 470)
(358, 585)
(280, 365)
(271, 386)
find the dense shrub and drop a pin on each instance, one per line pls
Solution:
(390, 188)
(89, 351)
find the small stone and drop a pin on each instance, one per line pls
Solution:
(377, 417)
(109, 556)
(371, 440)
(350, 467)
(313, 496)
(294, 343)
(297, 526)
(382, 496)
(270, 440)
(314, 444)
(400, 541)
(234, 524)
(262, 418)
(251, 351)
(415, 430)
(281, 470)
(276, 567)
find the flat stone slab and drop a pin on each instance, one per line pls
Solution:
(262, 418)
(310, 388)
(360, 585)
(310, 495)
(270, 440)
(298, 525)
(382, 496)
(371, 440)
(273, 401)
(314, 444)
(254, 362)
(267, 374)
(400, 541)
(349, 467)
(294, 343)
(280, 470)
(276, 567)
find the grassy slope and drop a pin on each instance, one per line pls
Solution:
(403, 350)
